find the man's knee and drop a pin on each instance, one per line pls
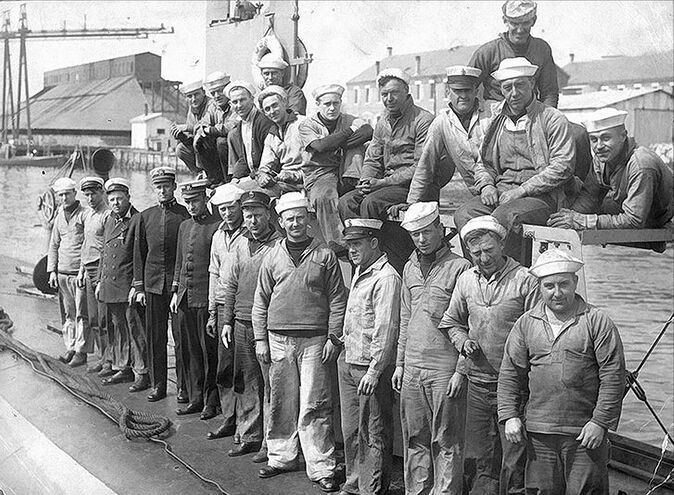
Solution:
(473, 208)
(349, 205)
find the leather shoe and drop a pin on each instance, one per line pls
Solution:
(190, 408)
(260, 457)
(222, 432)
(95, 368)
(79, 358)
(141, 383)
(271, 471)
(328, 484)
(106, 370)
(208, 413)
(182, 397)
(244, 448)
(118, 377)
(66, 357)
(156, 395)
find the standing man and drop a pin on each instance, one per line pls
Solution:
(486, 302)
(115, 278)
(274, 73)
(569, 356)
(190, 299)
(227, 237)
(456, 134)
(210, 137)
(184, 133)
(333, 143)
(92, 246)
(298, 312)
(429, 374)
(251, 377)
(519, 16)
(154, 258)
(365, 367)
(63, 264)
(393, 153)
(246, 140)
(528, 158)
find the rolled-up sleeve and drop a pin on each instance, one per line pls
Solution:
(386, 304)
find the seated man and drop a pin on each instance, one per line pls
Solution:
(528, 158)
(333, 142)
(281, 163)
(184, 133)
(629, 186)
(393, 153)
(273, 70)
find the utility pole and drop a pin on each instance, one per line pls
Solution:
(7, 90)
(23, 70)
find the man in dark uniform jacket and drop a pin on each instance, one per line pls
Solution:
(153, 267)
(115, 274)
(190, 299)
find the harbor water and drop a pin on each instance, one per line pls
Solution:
(635, 287)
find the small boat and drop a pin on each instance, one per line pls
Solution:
(54, 161)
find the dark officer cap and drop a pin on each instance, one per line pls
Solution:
(255, 198)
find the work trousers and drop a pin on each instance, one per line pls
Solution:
(212, 157)
(203, 355)
(367, 426)
(224, 376)
(300, 406)
(373, 205)
(498, 462)
(558, 465)
(74, 315)
(157, 317)
(529, 210)
(97, 315)
(325, 201)
(433, 432)
(127, 337)
(248, 384)
(186, 154)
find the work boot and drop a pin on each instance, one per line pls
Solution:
(66, 357)
(95, 368)
(156, 395)
(106, 370)
(141, 383)
(79, 358)
(260, 457)
(182, 397)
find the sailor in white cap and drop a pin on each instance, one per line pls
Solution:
(94, 228)
(282, 156)
(486, 302)
(569, 356)
(63, 264)
(274, 73)
(210, 139)
(154, 258)
(401, 131)
(629, 186)
(429, 372)
(519, 16)
(246, 139)
(365, 367)
(532, 147)
(184, 133)
(334, 144)
(298, 315)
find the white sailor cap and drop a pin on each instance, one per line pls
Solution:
(117, 184)
(271, 61)
(510, 68)
(420, 215)
(191, 87)
(215, 80)
(463, 76)
(328, 89)
(554, 261)
(605, 118)
(519, 10)
(193, 188)
(64, 184)
(395, 73)
(357, 228)
(91, 182)
(226, 194)
(239, 84)
(484, 222)
(291, 200)
(272, 90)
(162, 174)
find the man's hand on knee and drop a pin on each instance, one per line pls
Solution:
(489, 196)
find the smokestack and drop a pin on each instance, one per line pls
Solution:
(377, 67)
(146, 109)
(572, 56)
(389, 49)
(417, 60)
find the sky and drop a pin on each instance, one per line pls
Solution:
(345, 37)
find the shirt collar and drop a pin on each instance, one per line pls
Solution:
(538, 311)
(251, 115)
(376, 266)
(507, 266)
(168, 204)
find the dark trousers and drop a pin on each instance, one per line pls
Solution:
(212, 156)
(157, 316)
(558, 465)
(128, 337)
(248, 384)
(224, 376)
(367, 426)
(203, 356)
(186, 154)
(374, 205)
(498, 462)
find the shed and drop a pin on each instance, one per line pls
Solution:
(151, 132)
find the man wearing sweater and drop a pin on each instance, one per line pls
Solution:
(298, 312)
(184, 133)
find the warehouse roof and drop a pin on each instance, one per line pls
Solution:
(656, 66)
(601, 99)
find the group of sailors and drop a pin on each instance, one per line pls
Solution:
(248, 276)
